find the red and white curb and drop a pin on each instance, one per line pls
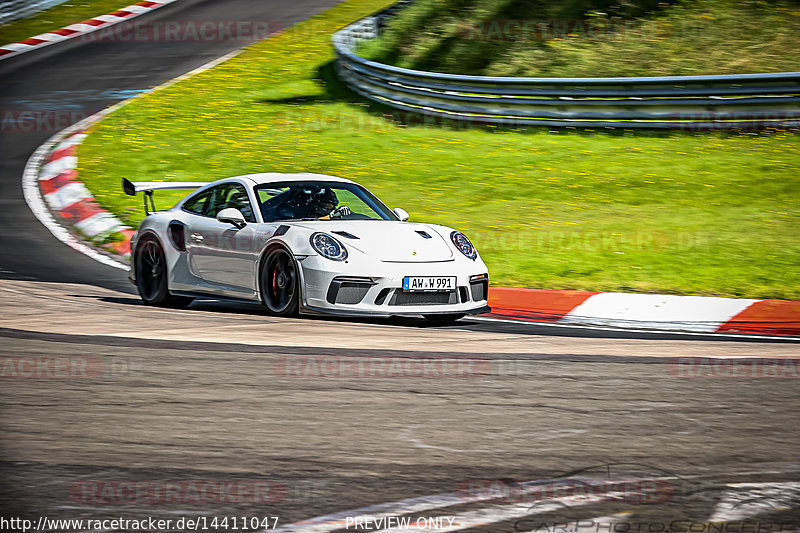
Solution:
(51, 189)
(81, 28)
(696, 314)
(75, 205)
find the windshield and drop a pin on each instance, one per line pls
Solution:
(319, 200)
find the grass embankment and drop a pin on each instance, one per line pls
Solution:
(677, 213)
(572, 39)
(58, 17)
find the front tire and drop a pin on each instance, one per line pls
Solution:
(280, 283)
(151, 276)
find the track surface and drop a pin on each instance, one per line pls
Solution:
(201, 394)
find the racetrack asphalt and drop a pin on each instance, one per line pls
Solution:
(207, 394)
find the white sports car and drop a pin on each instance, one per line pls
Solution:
(304, 243)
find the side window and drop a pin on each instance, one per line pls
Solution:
(198, 204)
(231, 195)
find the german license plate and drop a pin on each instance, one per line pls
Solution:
(429, 283)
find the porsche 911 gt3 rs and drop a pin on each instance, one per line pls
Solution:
(302, 243)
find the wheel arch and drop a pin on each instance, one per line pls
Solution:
(142, 234)
(269, 247)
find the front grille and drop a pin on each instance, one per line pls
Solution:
(464, 296)
(347, 292)
(479, 290)
(351, 293)
(423, 298)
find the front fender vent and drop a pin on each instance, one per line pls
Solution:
(177, 235)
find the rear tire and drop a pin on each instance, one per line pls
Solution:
(444, 319)
(151, 276)
(280, 283)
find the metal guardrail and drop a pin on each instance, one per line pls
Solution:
(17, 9)
(746, 101)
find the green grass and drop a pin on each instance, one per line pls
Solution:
(675, 213)
(690, 37)
(58, 17)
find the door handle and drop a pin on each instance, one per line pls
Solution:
(196, 237)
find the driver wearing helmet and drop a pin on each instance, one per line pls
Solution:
(320, 203)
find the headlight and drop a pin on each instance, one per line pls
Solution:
(464, 246)
(328, 247)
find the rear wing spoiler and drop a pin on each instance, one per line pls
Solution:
(147, 187)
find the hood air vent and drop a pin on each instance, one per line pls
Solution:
(345, 234)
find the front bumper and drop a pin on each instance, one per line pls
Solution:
(355, 289)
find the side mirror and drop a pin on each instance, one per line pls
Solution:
(231, 215)
(402, 214)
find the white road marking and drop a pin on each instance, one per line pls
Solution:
(746, 500)
(736, 506)
(464, 520)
